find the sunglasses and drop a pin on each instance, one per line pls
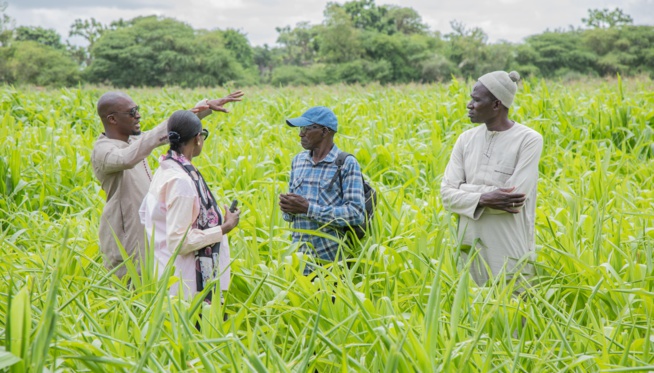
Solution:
(204, 133)
(306, 129)
(132, 112)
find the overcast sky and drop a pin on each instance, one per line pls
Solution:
(510, 20)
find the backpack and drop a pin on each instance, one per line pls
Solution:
(370, 195)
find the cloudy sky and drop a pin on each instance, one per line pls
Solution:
(509, 20)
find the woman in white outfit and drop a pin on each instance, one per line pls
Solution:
(182, 212)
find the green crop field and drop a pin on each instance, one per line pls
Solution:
(405, 302)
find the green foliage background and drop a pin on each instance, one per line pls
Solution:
(404, 303)
(357, 42)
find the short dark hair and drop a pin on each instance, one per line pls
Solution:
(183, 125)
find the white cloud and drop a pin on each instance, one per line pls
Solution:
(510, 20)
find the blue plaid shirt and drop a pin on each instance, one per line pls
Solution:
(330, 209)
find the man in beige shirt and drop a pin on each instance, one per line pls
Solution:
(119, 163)
(491, 180)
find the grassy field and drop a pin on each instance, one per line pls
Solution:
(405, 303)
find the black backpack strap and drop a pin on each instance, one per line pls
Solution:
(340, 161)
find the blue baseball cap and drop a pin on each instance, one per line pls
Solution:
(321, 115)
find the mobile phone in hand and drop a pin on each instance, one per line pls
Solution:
(232, 208)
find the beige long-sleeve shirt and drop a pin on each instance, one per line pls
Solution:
(125, 177)
(483, 161)
(169, 211)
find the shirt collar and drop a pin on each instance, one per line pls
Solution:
(330, 158)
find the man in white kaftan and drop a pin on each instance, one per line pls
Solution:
(491, 181)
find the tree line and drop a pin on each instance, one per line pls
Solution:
(357, 42)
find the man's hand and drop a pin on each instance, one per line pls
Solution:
(503, 199)
(217, 104)
(231, 219)
(293, 203)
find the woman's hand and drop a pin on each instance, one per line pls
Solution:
(231, 219)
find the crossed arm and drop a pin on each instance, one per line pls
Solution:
(471, 200)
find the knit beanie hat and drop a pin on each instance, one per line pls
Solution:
(502, 85)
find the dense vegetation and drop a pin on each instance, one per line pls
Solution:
(357, 42)
(405, 303)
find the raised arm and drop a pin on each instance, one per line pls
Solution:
(109, 159)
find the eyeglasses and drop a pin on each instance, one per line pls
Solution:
(204, 133)
(132, 112)
(306, 129)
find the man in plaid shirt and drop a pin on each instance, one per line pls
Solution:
(312, 204)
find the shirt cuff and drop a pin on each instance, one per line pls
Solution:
(478, 211)
(216, 233)
(204, 113)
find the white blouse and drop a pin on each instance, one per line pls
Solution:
(169, 209)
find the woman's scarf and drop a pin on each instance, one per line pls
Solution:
(206, 259)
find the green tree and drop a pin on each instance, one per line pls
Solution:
(639, 42)
(297, 75)
(40, 35)
(404, 54)
(625, 50)
(299, 44)
(607, 18)
(263, 59)
(148, 52)
(338, 38)
(385, 19)
(215, 64)
(524, 61)
(151, 51)
(556, 53)
(366, 15)
(6, 25)
(90, 30)
(437, 68)
(466, 48)
(406, 20)
(236, 42)
(359, 42)
(31, 62)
